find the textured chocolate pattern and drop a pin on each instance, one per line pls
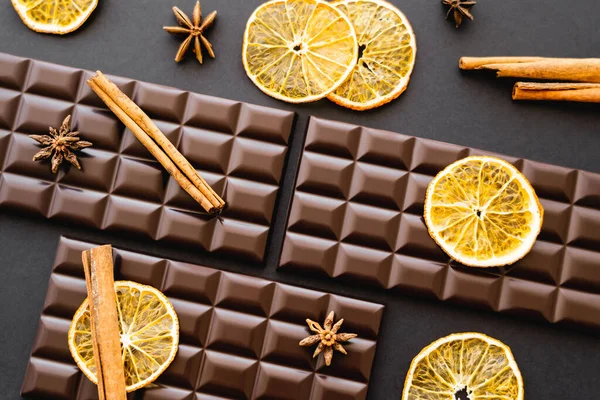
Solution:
(357, 215)
(240, 150)
(238, 335)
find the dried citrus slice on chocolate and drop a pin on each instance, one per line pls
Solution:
(483, 212)
(54, 16)
(299, 50)
(464, 365)
(149, 330)
(386, 54)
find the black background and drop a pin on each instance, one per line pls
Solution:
(124, 37)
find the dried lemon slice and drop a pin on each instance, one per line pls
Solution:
(149, 330)
(483, 212)
(54, 16)
(299, 50)
(386, 55)
(480, 367)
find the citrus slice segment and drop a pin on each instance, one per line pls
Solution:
(299, 50)
(54, 16)
(472, 364)
(483, 212)
(386, 54)
(149, 330)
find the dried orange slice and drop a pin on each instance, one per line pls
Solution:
(299, 50)
(386, 54)
(54, 16)
(483, 212)
(149, 330)
(476, 365)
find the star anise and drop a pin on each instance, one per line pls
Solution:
(195, 29)
(60, 145)
(459, 8)
(327, 337)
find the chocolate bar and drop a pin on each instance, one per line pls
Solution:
(240, 149)
(239, 335)
(357, 216)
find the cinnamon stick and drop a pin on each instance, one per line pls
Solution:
(102, 300)
(142, 119)
(153, 148)
(555, 69)
(580, 92)
(151, 137)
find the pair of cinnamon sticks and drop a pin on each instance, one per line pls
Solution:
(157, 143)
(579, 78)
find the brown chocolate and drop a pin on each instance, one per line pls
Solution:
(239, 335)
(357, 216)
(239, 148)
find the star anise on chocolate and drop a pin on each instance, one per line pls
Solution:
(195, 29)
(60, 145)
(327, 337)
(459, 8)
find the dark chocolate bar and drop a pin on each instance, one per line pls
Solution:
(238, 335)
(357, 215)
(240, 149)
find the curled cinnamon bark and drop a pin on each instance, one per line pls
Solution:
(554, 69)
(579, 92)
(102, 302)
(156, 142)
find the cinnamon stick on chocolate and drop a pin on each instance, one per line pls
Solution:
(554, 69)
(156, 142)
(580, 92)
(102, 300)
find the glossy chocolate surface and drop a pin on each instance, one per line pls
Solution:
(238, 335)
(357, 217)
(240, 149)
